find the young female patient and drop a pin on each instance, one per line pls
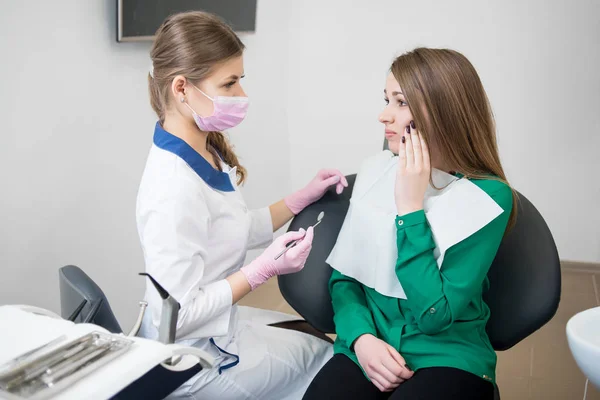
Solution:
(424, 225)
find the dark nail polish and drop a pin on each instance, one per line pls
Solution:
(408, 129)
(412, 125)
(403, 139)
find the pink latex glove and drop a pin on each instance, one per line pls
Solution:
(315, 189)
(265, 266)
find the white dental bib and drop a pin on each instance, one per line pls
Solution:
(366, 248)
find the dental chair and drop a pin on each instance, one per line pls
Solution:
(82, 301)
(525, 277)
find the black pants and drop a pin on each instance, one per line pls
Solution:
(341, 378)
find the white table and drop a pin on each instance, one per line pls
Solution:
(22, 331)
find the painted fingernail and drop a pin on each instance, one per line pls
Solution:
(408, 129)
(403, 139)
(412, 125)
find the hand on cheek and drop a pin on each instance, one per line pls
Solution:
(412, 177)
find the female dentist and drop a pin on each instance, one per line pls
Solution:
(195, 228)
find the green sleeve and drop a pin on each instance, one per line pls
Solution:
(352, 317)
(438, 297)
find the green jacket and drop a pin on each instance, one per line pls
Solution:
(442, 322)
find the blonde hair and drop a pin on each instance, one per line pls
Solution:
(191, 44)
(451, 109)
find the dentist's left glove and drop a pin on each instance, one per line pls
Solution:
(315, 189)
(265, 266)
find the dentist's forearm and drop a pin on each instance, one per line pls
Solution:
(280, 215)
(239, 286)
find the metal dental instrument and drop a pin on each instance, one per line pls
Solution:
(15, 362)
(169, 313)
(45, 374)
(295, 242)
(168, 317)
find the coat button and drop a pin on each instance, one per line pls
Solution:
(432, 310)
(400, 222)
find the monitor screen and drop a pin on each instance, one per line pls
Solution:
(138, 20)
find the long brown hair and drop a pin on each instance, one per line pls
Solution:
(452, 111)
(191, 44)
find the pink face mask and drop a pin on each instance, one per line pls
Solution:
(228, 112)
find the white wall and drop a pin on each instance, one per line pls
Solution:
(539, 61)
(262, 141)
(77, 123)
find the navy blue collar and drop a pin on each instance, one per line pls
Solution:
(216, 179)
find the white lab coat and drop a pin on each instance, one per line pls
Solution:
(195, 230)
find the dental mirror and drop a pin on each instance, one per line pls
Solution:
(319, 218)
(295, 242)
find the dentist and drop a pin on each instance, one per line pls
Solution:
(195, 228)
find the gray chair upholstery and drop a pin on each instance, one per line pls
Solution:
(81, 300)
(525, 279)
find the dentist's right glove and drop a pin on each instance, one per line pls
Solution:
(265, 266)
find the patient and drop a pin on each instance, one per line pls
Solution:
(424, 225)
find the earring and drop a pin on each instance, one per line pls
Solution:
(182, 99)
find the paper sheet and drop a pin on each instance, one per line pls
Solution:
(366, 247)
